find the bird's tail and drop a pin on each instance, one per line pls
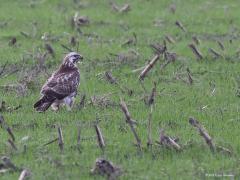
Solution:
(43, 104)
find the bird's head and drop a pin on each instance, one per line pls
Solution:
(72, 59)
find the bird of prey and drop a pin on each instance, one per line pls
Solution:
(61, 87)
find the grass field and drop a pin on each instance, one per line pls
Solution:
(212, 98)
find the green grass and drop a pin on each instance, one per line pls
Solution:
(175, 103)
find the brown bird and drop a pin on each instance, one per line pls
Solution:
(61, 87)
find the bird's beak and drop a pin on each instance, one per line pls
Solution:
(79, 58)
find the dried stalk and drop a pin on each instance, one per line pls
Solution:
(25, 34)
(169, 39)
(67, 48)
(165, 64)
(152, 95)
(150, 142)
(180, 25)
(203, 132)
(3, 68)
(220, 44)
(214, 52)
(82, 101)
(110, 78)
(166, 140)
(9, 164)
(24, 174)
(5, 126)
(143, 87)
(50, 142)
(190, 79)
(148, 67)
(223, 149)
(113, 80)
(124, 8)
(60, 139)
(196, 40)
(159, 48)
(197, 53)
(106, 168)
(9, 130)
(100, 138)
(12, 144)
(130, 122)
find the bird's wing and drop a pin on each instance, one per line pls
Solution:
(63, 83)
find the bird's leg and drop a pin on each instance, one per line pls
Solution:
(55, 106)
(69, 101)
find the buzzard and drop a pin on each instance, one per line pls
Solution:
(61, 87)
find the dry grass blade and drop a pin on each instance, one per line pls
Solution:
(148, 67)
(3, 68)
(67, 48)
(168, 141)
(220, 44)
(190, 79)
(128, 42)
(130, 122)
(223, 149)
(197, 53)
(25, 34)
(82, 102)
(125, 8)
(100, 138)
(214, 52)
(180, 25)
(9, 130)
(165, 64)
(60, 139)
(106, 168)
(50, 142)
(203, 132)
(112, 80)
(12, 144)
(114, 7)
(5, 126)
(170, 39)
(24, 174)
